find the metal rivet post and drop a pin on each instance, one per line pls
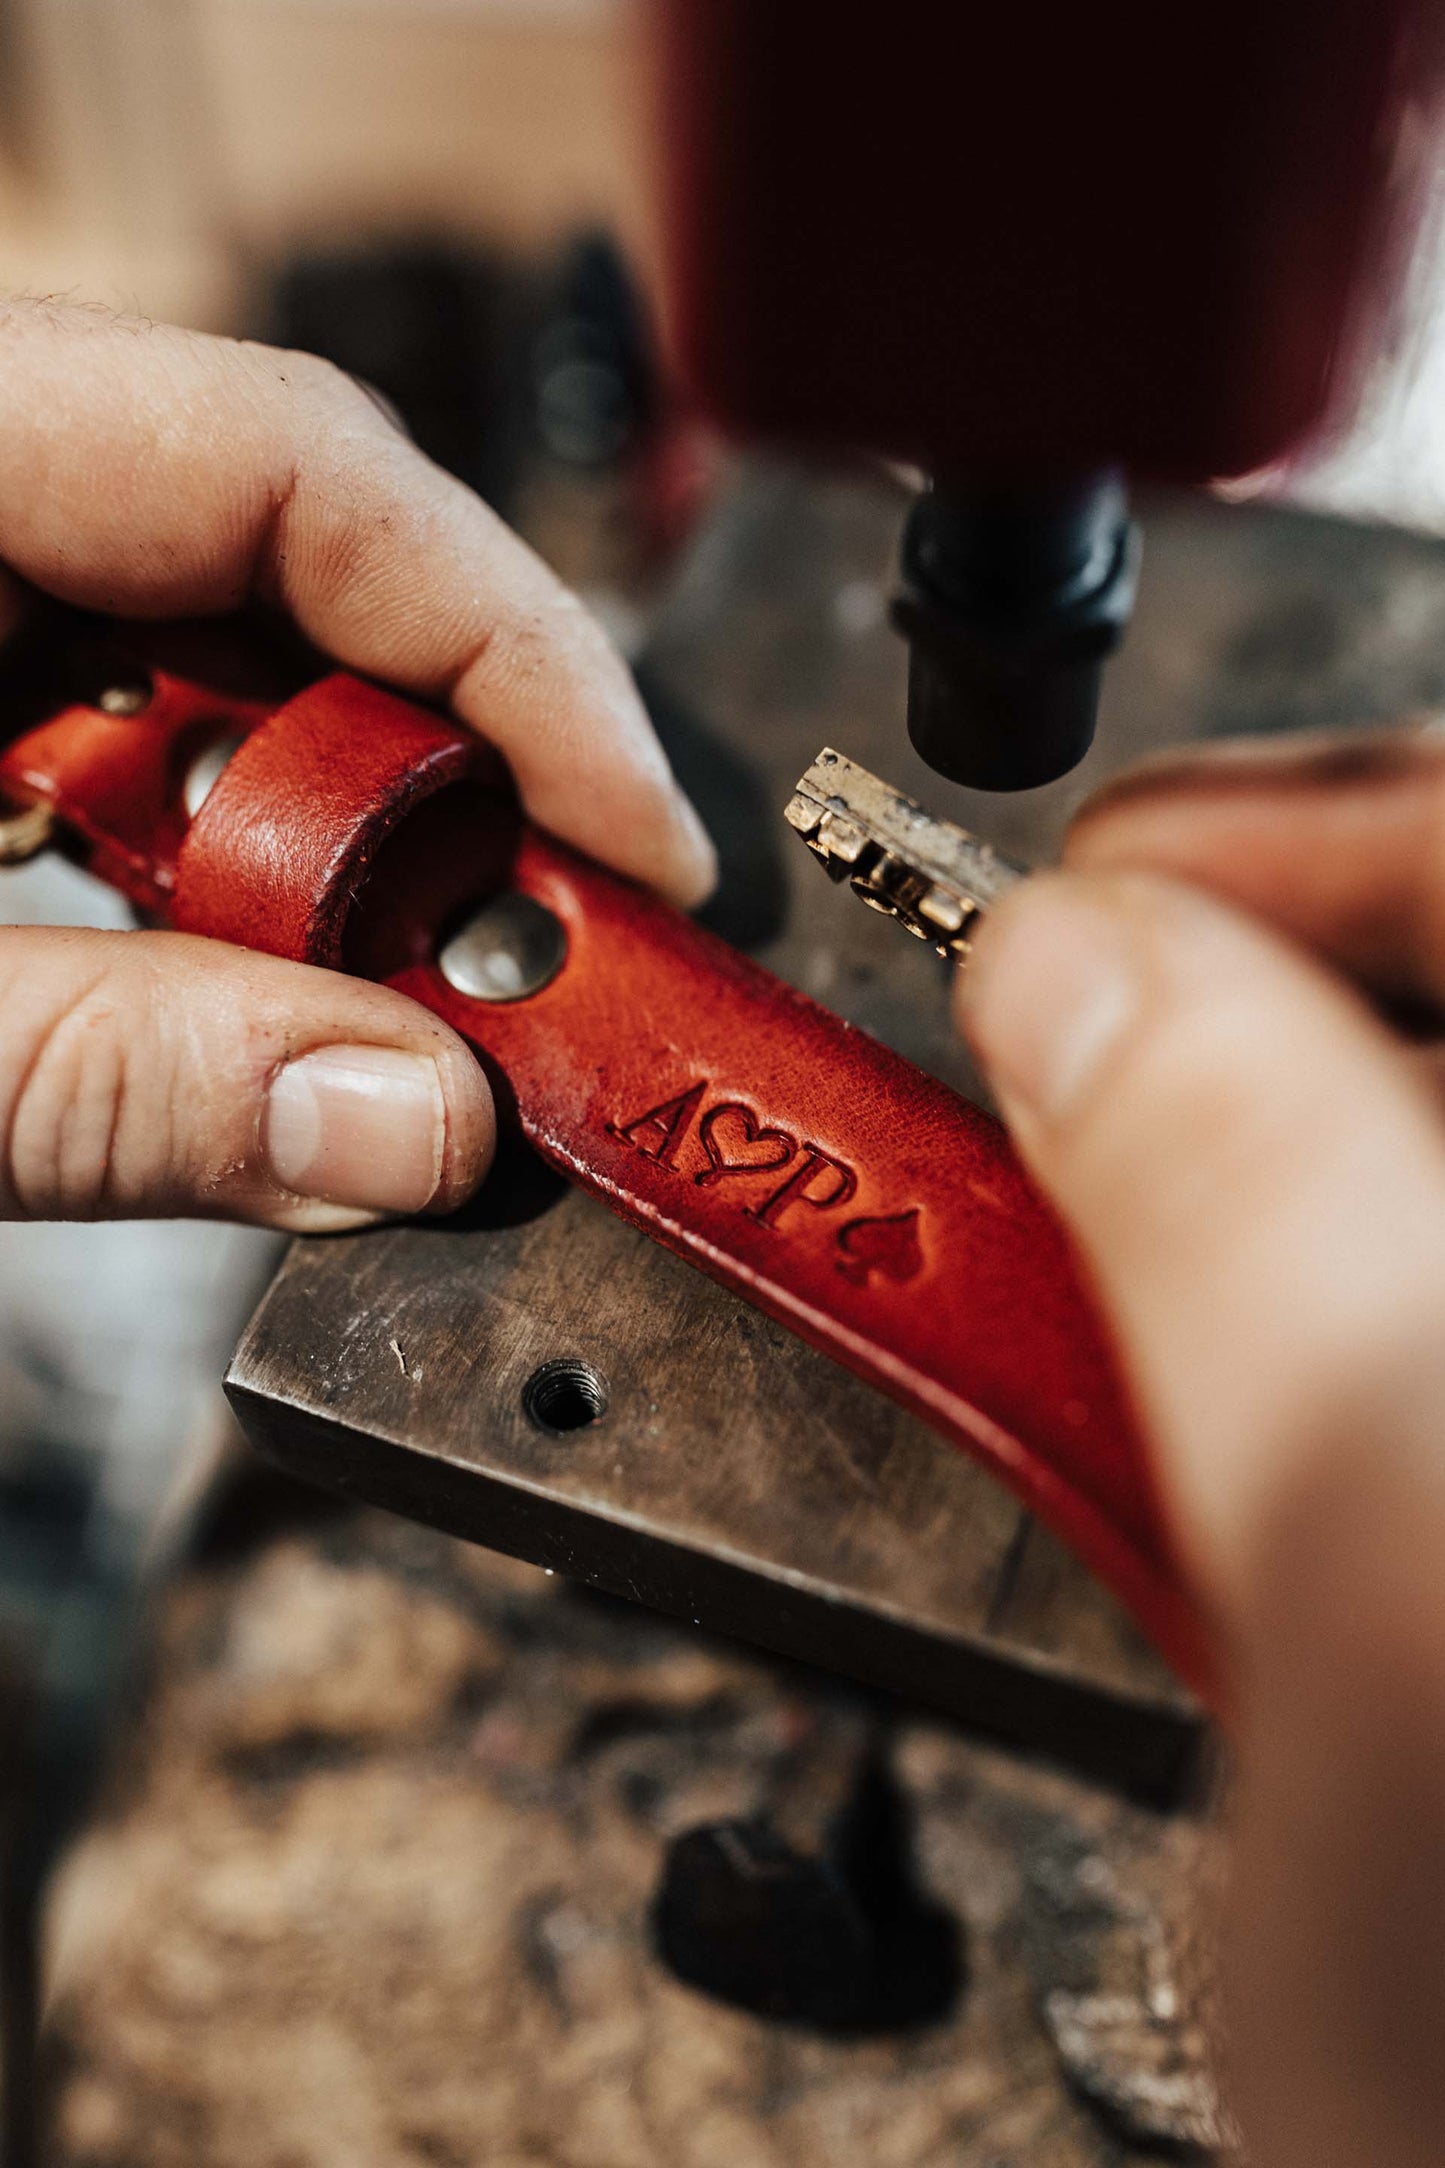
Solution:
(205, 772)
(508, 948)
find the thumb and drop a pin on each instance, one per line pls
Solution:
(1257, 1178)
(1252, 1169)
(154, 1075)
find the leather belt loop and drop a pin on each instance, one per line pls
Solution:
(275, 855)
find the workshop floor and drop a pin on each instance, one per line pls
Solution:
(374, 1885)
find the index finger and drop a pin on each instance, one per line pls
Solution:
(151, 472)
(1333, 839)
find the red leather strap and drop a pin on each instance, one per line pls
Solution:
(805, 1166)
(117, 780)
(872, 1210)
(276, 853)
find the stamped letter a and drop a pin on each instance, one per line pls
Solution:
(659, 1133)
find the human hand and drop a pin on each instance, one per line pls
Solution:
(1186, 1031)
(154, 473)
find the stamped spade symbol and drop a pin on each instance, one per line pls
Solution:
(887, 1246)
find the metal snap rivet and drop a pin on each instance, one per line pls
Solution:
(508, 948)
(205, 772)
(25, 831)
(131, 696)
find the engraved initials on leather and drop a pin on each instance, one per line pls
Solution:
(737, 1143)
(746, 1147)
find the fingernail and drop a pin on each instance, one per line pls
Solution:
(362, 1126)
(1050, 990)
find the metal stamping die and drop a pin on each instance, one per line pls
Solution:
(929, 874)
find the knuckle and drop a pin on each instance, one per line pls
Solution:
(74, 1147)
(315, 391)
(338, 395)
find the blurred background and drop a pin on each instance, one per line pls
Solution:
(173, 154)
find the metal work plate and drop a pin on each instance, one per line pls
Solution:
(737, 1478)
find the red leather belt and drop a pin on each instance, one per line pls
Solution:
(795, 1159)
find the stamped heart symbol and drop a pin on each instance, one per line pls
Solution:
(737, 1143)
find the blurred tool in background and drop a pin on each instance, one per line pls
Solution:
(1039, 252)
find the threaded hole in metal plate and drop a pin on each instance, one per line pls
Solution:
(565, 1395)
